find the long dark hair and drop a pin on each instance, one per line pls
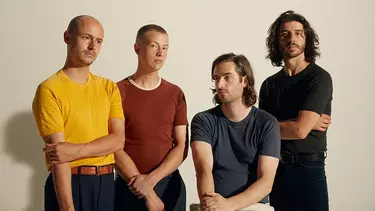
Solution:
(243, 68)
(272, 42)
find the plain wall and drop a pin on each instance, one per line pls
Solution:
(32, 49)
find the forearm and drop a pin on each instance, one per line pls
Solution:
(125, 165)
(205, 183)
(171, 162)
(62, 178)
(102, 146)
(253, 194)
(290, 130)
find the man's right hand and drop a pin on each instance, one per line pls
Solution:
(153, 202)
(323, 123)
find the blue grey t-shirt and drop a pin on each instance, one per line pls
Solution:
(236, 146)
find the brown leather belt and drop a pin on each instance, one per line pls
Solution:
(93, 170)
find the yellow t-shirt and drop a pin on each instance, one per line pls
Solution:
(80, 111)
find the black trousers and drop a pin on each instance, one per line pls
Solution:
(90, 193)
(300, 187)
(171, 190)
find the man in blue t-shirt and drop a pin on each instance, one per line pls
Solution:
(235, 146)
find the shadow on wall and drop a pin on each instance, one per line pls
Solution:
(24, 145)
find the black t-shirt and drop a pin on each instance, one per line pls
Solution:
(284, 96)
(236, 146)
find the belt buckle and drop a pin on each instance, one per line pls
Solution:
(97, 170)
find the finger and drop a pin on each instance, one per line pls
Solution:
(325, 125)
(209, 194)
(131, 180)
(322, 129)
(325, 116)
(326, 121)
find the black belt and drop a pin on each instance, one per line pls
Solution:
(301, 158)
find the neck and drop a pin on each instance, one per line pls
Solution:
(235, 111)
(295, 65)
(78, 74)
(146, 79)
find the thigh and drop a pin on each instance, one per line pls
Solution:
(106, 193)
(50, 198)
(125, 199)
(282, 196)
(313, 189)
(174, 195)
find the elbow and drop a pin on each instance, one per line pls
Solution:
(301, 133)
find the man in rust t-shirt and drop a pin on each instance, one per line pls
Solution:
(155, 129)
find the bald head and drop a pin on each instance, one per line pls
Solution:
(77, 22)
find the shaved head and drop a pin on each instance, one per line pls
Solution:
(76, 23)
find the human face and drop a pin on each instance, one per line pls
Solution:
(228, 83)
(84, 44)
(152, 50)
(292, 40)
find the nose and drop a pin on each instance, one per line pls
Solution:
(160, 52)
(92, 45)
(220, 83)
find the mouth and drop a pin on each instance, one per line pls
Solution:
(90, 54)
(158, 61)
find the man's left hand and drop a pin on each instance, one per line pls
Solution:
(141, 185)
(214, 201)
(62, 152)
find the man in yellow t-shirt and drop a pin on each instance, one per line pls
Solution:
(80, 118)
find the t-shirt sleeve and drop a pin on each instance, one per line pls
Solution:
(271, 141)
(319, 92)
(116, 110)
(201, 129)
(47, 112)
(180, 117)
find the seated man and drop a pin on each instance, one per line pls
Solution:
(235, 146)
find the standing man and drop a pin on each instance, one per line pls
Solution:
(80, 118)
(299, 96)
(235, 146)
(156, 130)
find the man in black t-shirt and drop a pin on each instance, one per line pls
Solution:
(299, 96)
(235, 146)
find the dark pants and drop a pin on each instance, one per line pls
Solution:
(90, 193)
(171, 190)
(300, 187)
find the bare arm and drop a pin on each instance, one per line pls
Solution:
(174, 157)
(261, 187)
(299, 128)
(65, 152)
(203, 163)
(105, 145)
(62, 176)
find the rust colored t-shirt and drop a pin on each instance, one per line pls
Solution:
(150, 116)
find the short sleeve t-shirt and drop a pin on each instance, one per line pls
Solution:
(150, 116)
(236, 146)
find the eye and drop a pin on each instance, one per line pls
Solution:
(154, 46)
(85, 37)
(99, 41)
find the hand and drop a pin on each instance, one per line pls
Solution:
(62, 152)
(214, 201)
(153, 202)
(323, 123)
(141, 185)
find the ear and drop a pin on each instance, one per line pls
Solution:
(136, 48)
(66, 37)
(244, 82)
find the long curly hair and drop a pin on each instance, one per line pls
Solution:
(243, 68)
(312, 40)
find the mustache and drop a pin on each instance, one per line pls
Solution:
(292, 44)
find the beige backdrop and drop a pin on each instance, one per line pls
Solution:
(32, 49)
